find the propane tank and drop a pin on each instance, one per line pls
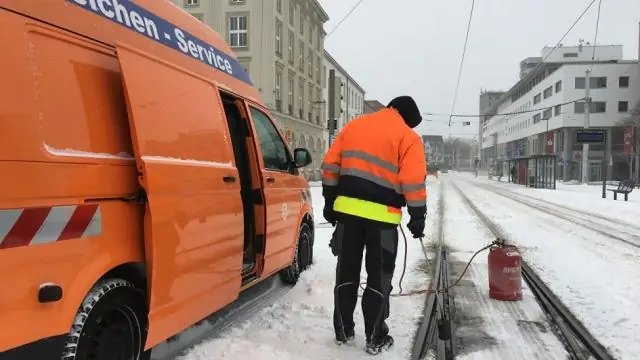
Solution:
(505, 279)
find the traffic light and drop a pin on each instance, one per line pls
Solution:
(335, 95)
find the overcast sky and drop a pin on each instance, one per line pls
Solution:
(415, 48)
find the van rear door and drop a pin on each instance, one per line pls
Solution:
(193, 222)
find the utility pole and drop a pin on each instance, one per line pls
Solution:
(587, 111)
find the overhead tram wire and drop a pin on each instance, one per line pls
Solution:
(344, 18)
(451, 115)
(464, 52)
(595, 37)
(504, 114)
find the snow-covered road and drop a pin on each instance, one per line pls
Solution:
(595, 276)
(299, 325)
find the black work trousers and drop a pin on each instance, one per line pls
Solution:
(381, 246)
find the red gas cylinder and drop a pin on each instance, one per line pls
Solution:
(505, 279)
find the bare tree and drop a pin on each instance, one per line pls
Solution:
(633, 119)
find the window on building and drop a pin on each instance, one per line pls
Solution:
(557, 110)
(570, 55)
(310, 60)
(278, 90)
(291, 98)
(546, 114)
(319, 41)
(536, 118)
(191, 3)
(237, 1)
(279, 6)
(580, 83)
(598, 82)
(623, 106)
(301, 24)
(547, 92)
(558, 86)
(238, 31)
(301, 98)
(310, 34)
(596, 107)
(623, 82)
(310, 101)
(291, 43)
(278, 37)
(318, 111)
(301, 56)
(274, 151)
(292, 12)
(324, 77)
(318, 80)
(537, 99)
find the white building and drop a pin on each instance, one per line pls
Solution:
(550, 92)
(352, 94)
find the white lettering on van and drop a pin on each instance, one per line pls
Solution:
(81, 2)
(227, 66)
(107, 12)
(182, 43)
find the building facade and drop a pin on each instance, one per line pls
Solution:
(488, 98)
(281, 44)
(549, 107)
(352, 94)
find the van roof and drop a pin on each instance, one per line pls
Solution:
(157, 27)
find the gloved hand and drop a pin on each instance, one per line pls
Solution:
(416, 226)
(329, 214)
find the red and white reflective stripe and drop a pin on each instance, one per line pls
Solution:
(43, 225)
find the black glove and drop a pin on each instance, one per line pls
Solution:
(416, 226)
(329, 214)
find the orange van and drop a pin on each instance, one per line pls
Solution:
(143, 184)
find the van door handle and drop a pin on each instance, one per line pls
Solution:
(271, 179)
(229, 179)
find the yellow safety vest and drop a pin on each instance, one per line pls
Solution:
(367, 209)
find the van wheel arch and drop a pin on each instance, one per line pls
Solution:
(115, 307)
(302, 256)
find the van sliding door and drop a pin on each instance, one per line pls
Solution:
(193, 223)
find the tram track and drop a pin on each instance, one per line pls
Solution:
(578, 341)
(434, 334)
(619, 232)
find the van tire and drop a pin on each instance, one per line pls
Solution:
(111, 324)
(302, 257)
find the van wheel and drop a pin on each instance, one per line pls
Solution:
(301, 257)
(111, 324)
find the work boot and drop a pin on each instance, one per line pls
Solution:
(376, 347)
(345, 337)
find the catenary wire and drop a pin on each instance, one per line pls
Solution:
(464, 52)
(344, 18)
(576, 21)
(595, 36)
(504, 114)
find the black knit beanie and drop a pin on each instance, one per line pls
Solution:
(408, 109)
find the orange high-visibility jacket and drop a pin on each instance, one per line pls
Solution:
(375, 166)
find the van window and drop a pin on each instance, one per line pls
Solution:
(274, 152)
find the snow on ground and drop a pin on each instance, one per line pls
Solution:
(593, 275)
(588, 198)
(299, 325)
(487, 328)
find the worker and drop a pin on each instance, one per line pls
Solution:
(375, 166)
